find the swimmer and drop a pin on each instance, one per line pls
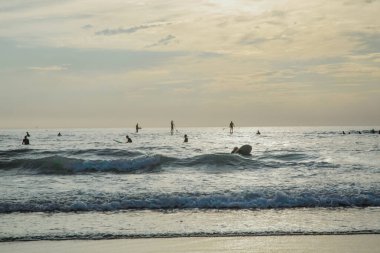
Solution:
(27, 134)
(129, 140)
(243, 150)
(258, 132)
(343, 132)
(25, 141)
(186, 139)
(59, 134)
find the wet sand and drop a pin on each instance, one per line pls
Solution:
(307, 243)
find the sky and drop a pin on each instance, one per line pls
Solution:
(96, 63)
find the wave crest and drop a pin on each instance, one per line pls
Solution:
(249, 200)
(62, 165)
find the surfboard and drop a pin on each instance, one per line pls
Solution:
(118, 141)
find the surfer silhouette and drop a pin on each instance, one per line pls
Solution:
(258, 132)
(172, 127)
(243, 150)
(129, 140)
(25, 141)
(137, 127)
(186, 139)
(59, 134)
(27, 134)
(232, 125)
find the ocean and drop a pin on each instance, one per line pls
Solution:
(91, 184)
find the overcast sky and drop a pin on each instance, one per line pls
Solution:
(96, 63)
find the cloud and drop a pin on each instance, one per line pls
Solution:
(368, 42)
(133, 29)
(52, 68)
(88, 26)
(164, 41)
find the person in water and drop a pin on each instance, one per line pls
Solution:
(25, 141)
(343, 132)
(59, 134)
(27, 134)
(232, 125)
(258, 132)
(129, 140)
(186, 139)
(172, 127)
(243, 150)
(137, 127)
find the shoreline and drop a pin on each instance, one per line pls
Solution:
(190, 235)
(276, 243)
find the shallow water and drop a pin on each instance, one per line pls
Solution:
(297, 176)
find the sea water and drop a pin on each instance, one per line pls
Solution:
(91, 184)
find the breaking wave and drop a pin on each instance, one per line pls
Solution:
(250, 200)
(135, 161)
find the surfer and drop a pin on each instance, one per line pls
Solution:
(243, 150)
(27, 134)
(232, 125)
(343, 132)
(25, 141)
(258, 132)
(59, 134)
(137, 127)
(172, 127)
(129, 140)
(186, 139)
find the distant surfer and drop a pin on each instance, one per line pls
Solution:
(232, 125)
(137, 127)
(243, 150)
(372, 131)
(25, 141)
(343, 132)
(186, 139)
(258, 132)
(59, 134)
(172, 127)
(27, 134)
(129, 140)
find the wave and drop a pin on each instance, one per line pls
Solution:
(65, 165)
(133, 161)
(70, 152)
(112, 236)
(250, 200)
